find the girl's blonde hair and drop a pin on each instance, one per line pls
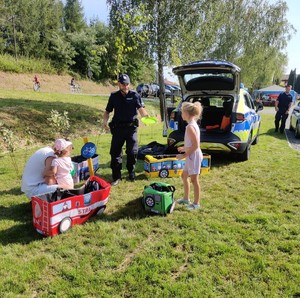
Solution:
(193, 109)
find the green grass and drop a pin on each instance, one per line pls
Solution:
(243, 242)
(25, 65)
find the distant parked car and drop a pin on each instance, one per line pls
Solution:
(152, 89)
(148, 89)
(176, 90)
(168, 91)
(143, 89)
(269, 99)
(295, 121)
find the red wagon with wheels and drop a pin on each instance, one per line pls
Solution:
(57, 212)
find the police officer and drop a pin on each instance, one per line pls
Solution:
(124, 125)
(282, 106)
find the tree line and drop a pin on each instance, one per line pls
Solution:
(142, 37)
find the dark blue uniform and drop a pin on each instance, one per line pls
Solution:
(284, 101)
(124, 129)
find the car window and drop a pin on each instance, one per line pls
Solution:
(248, 101)
(209, 79)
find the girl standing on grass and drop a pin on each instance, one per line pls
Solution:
(191, 112)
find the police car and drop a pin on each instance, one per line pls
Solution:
(230, 122)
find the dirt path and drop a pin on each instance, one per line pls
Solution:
(51, 83)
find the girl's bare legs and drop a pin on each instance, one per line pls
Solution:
(186, 184)
(197, 188)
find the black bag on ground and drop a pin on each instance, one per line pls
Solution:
(153, 148)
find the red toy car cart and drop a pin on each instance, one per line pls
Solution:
(55, 213)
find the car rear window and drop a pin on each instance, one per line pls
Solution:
(209, 80)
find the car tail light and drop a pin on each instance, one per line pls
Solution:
(235, 145)
(239, 117)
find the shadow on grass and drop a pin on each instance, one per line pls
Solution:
(13, 191)
(131, 210)
(271, 132)
(22, 231)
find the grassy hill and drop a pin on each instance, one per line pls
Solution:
(50, 83)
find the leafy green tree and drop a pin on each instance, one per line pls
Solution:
(98, 63)
(292, 78)
(74, 16)
(126, 22)
(297, 84)
(88, 53)
(61, 53)
(29, 25)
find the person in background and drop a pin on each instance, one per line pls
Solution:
(36, 83)
(125, 104)
(72, 83)
(191, 151)
(61, 166)
(282, 107)
(36, 80)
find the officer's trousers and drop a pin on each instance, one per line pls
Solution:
(280, 116)
(120, 135)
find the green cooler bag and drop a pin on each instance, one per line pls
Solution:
(158, 198)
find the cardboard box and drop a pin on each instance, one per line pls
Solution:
(81, 168)
(55, 213)
(159, 198)
(164, 166)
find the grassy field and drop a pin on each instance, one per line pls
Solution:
(243, 242)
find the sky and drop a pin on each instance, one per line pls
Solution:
(98, 8)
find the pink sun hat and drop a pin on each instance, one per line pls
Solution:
(61, 144)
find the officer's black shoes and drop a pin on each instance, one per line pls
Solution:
(116, 182)
(131, 176)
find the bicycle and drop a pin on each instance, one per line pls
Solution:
(36, 87)
(75, 88)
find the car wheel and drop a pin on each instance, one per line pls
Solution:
(65, 224)
(149, 201)
(297, 131)
(245, 155)
(101, 210)
(163, 173)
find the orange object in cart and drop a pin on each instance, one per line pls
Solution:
(55, 213)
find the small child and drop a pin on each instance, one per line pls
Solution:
(191, 151)
(61, 165)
